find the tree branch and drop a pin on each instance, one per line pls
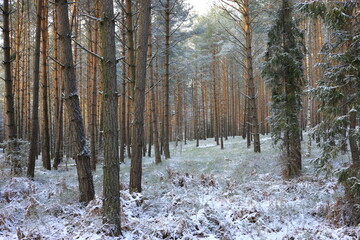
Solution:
(87, 50)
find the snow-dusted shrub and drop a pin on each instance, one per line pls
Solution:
(16, 155)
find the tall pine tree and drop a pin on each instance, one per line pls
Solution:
(338, 92)
(284, 72)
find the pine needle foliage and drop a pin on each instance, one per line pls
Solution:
(339, 94)
(283, 71)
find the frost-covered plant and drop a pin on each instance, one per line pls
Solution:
(283, 71)
(16, 155)
(338, 92)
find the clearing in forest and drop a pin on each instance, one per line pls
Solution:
(200, 193)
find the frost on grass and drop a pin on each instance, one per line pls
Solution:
(200, 193)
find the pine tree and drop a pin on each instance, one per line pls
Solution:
(11, 136)
(35, 113)
(338, 92)
(78, 141)
(284, 72)
(139, 98)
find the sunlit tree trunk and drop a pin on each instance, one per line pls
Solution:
(94, 92)
(253, 119)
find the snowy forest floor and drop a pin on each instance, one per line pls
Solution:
(200, 193)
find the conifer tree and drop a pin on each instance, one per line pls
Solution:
(284, 72)
(338, 92)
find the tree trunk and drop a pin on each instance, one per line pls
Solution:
(111, 196)
(9, 97)
(123, 96)
(292, 167)
(18, 81)
(132, 69)
(12, 147)
(35, 113)
(354, 147)
(93, 127)
(215, 111)
(250, 79)
(153, 108)
(58, 103)
(139, 97)
(45, 139)
(167, 80)
(78, 141)
(196, 107)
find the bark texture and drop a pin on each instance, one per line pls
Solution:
(35, 113)
(111, 185)
(78, 141)
(139, 98)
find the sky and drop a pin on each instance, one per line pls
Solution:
(201, 6)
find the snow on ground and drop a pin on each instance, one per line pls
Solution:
(200, 193)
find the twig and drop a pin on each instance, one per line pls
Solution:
(87, 50)
(56, 61)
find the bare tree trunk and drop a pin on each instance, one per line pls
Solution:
(153, 106)
(132, 69)
(111, 198)
(89, 58)
(93, 127)
(45, 139)
(139, 97)
(153, 113)
(167, 81)
(123, 96)
(78, 141)
(216, 118)
(35, 113)
(17, 86)
(250, 79)
(58, 103)
(196, 107)
(185, 115)
(9, 97)
(60, 135)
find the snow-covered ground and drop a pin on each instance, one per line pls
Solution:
(200, 193)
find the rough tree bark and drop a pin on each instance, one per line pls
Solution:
(78, 141)
(93, 127)
(167, 81)
(9, 97)
(123, 96)
(111, 187)
(35, 113)
(45, 138)
(139, 97)
(153, 105)
(253, 118)
(132, 69)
